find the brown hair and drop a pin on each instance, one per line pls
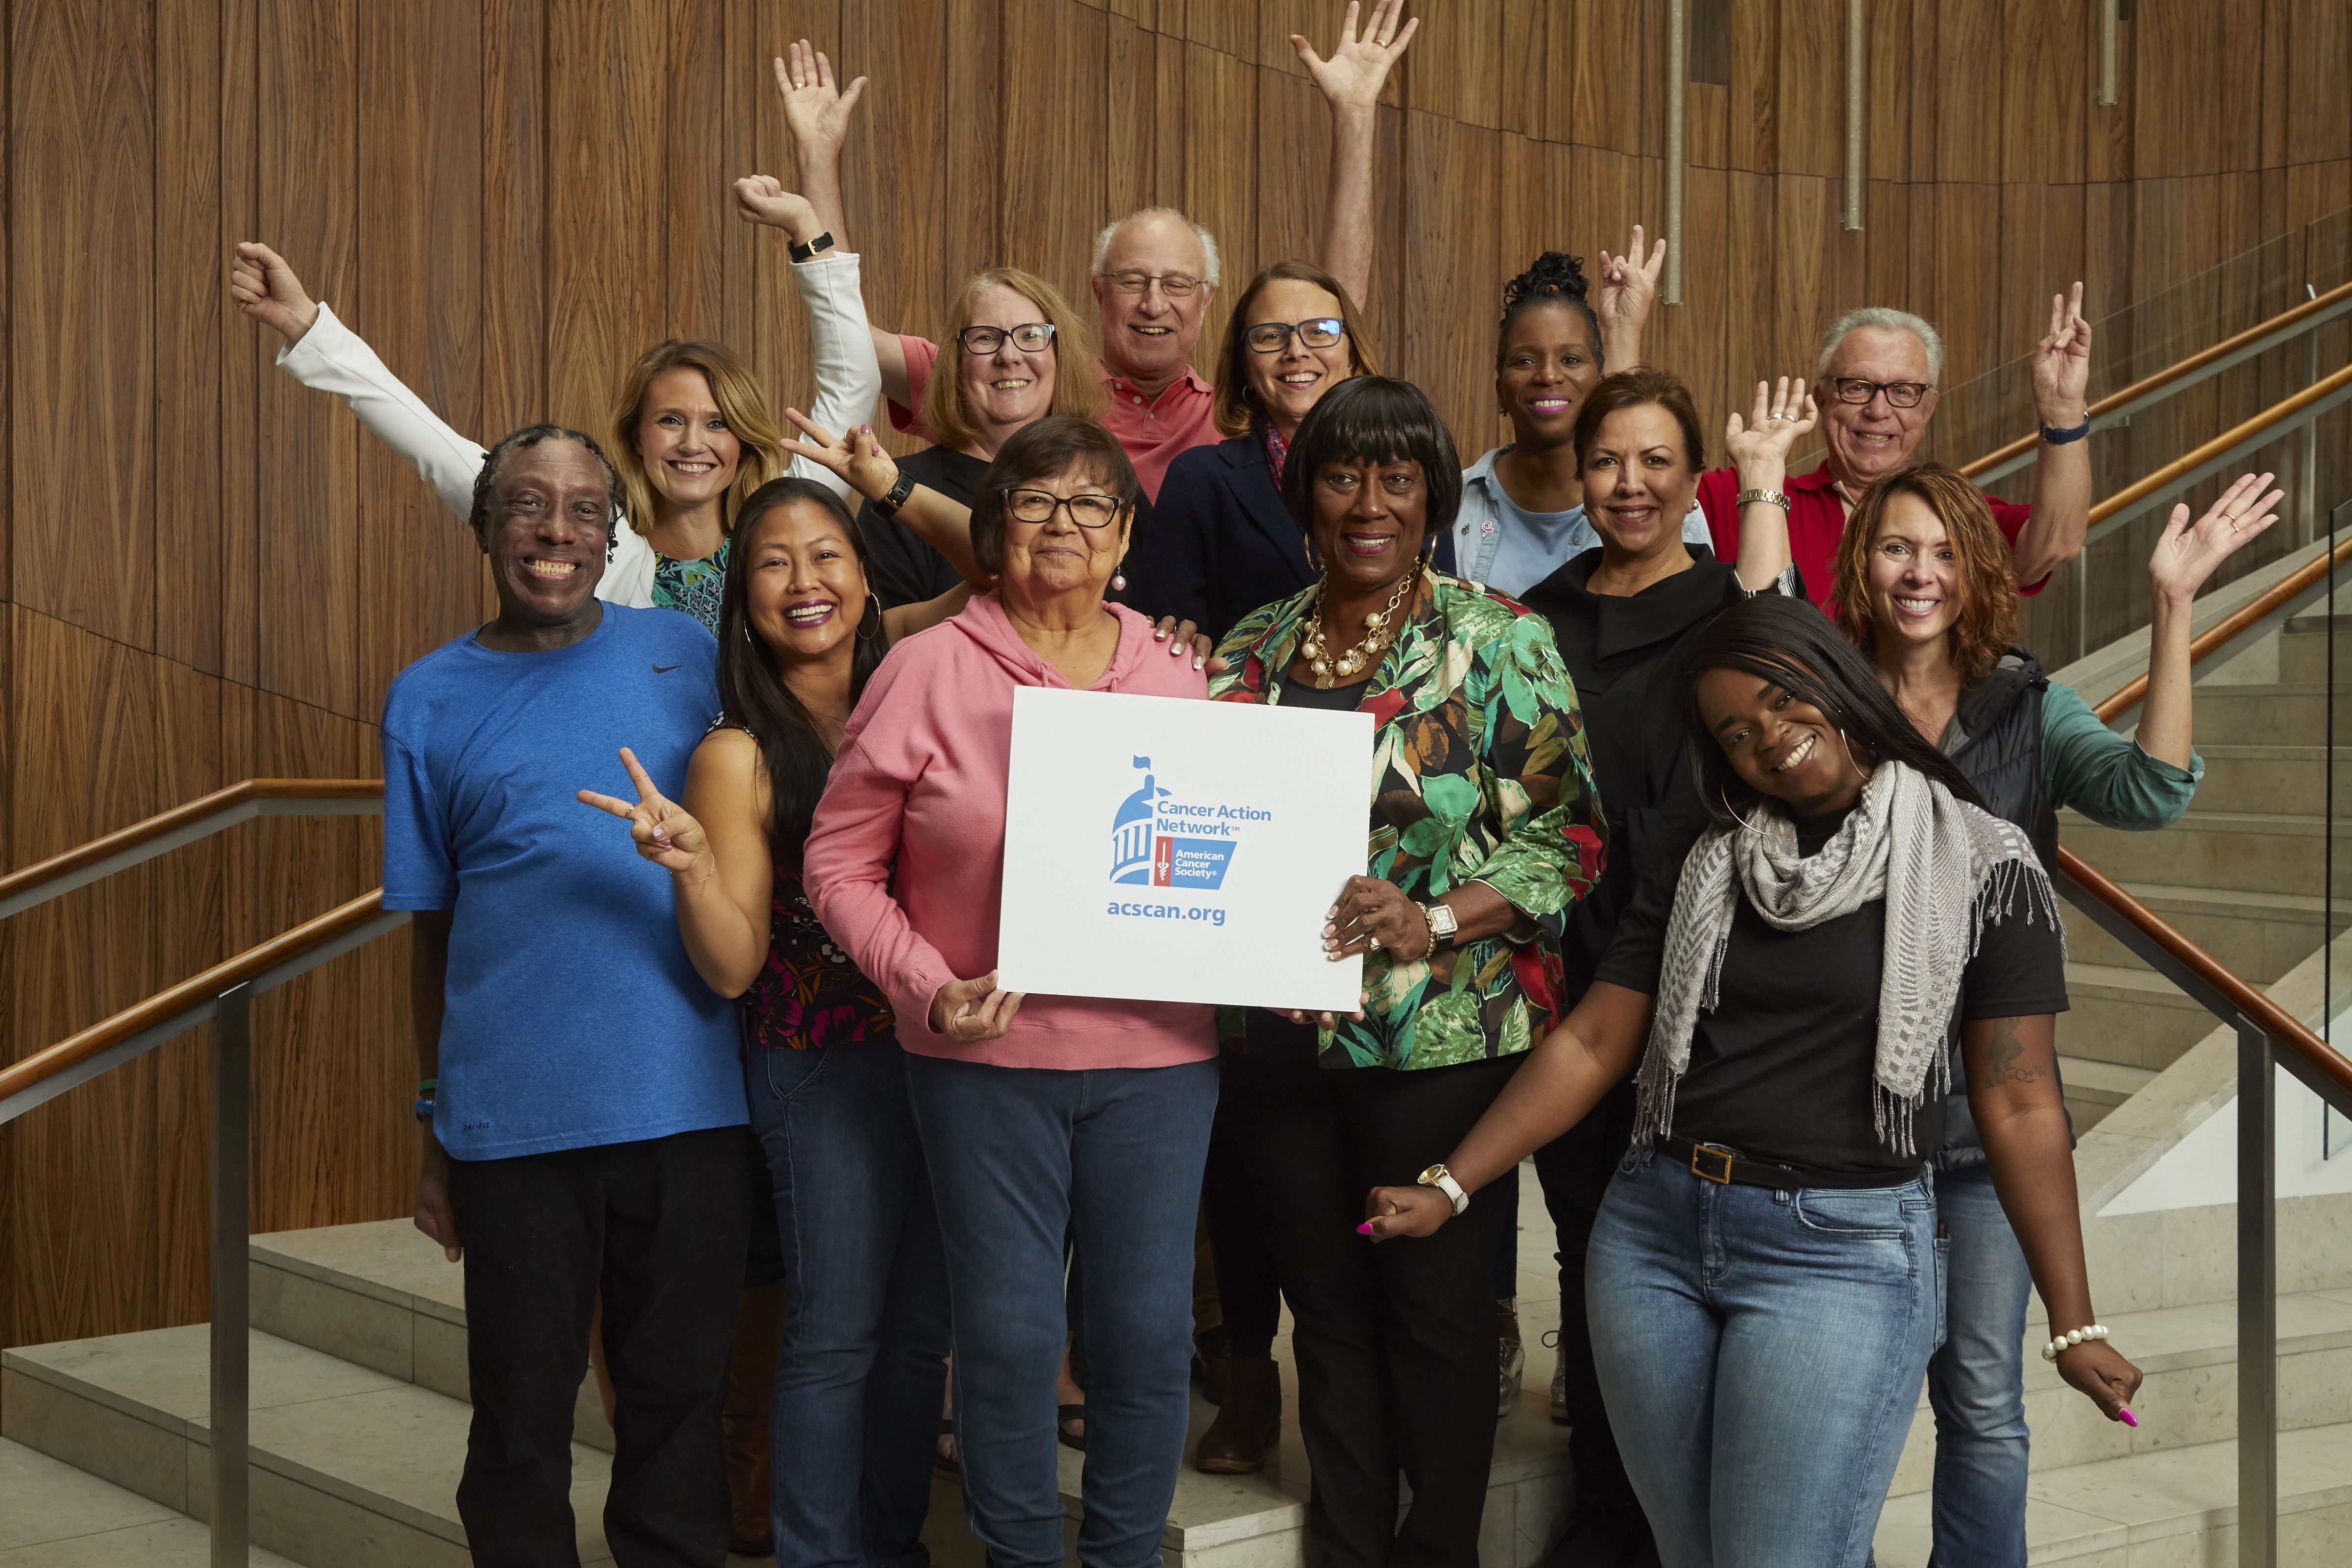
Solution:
(1077, 393)
(1045, 449)
(1237, 408)
(1635, 389)
(1987, 624)
(740, 402)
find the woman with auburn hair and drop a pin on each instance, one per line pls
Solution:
(1015, 336)
(1923, 586)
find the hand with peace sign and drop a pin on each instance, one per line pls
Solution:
(665, 833)
(1628, 287)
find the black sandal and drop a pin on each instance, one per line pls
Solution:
(1063, 1415)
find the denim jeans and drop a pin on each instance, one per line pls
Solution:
(862, 1368)
(1975, 1383)
(1020, 1156)
(1760, 1353)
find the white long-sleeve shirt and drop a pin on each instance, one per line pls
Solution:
(330, 357)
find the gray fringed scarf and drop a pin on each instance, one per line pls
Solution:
(1944, 866)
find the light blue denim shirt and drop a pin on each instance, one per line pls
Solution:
(1478, 530)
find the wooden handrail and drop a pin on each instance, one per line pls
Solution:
(2278, 412)
(2249, 614)
(249, 965)
(2264, 1014)
(2172, 372)
(179, 816)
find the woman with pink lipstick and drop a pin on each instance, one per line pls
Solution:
(1924, 587)
(858, 1378)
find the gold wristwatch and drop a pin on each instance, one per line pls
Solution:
(1441, 1178)
(1443, 923)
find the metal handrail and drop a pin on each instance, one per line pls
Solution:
(2149, 390)
(199, 818)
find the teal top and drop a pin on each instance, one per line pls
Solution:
(2111, 780)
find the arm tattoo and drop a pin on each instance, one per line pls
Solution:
(2002, 1053)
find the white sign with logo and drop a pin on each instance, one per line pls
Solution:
(1169, 850)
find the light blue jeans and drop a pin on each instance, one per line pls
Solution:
(1975, 1383)
(1760, 1354)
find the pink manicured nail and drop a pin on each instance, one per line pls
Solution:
(1365, 1228)
(2122, 1414)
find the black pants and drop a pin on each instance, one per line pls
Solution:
(1575, 1169)
(658, 1228)
(1249, 1291)
(1395, 1342)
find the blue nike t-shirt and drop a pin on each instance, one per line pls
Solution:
(574, 1016)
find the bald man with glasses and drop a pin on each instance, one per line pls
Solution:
(1876, 391)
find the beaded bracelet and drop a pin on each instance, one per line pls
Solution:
(2073, 1337)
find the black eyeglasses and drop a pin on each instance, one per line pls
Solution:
(1039, 506)
(1272, 337)
(1175, 285)
(1859, 389)
(1028, 337)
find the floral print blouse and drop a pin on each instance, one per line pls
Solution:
(1479, 774)
(694, 586)
(808, 993)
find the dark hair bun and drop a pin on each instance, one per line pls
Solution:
(1551, 274)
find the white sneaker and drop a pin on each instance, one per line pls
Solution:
(1514, 1363)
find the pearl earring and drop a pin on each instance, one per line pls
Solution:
(1119, 581)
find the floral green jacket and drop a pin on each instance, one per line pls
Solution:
(1479, 774)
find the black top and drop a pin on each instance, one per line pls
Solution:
(1781, 1069)
(1620, 650)
(1222, 543)
(1338, 699)
(904, 569)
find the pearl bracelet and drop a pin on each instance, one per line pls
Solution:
(2073, 1337)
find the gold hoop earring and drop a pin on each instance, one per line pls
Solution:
(1745, 826)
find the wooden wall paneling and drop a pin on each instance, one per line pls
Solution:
(190, 262)
(1384, 308)
(697, 195)
(1294, 127)
(1130, 118)
(1845, 264)
(1802, 222)
(513, 325)
(1754, 134)
(1962, 271)
(1524, 40)
(1753, 301)
(1966, 63)
(1220, 141)
(306, 488)
(1809, 90)
(607, 100)
(419, 268)
(1614, 192)
(2048, 56)
(1053, 186)
(2180, 59)
(1890, 83)
(972, 154)
(759, 306)
(1690, 336)
(1143, 13)
(2317, 125)
(1214, 25)
(2315, 190)
(2108, 141)
(1650, 18)
(1708, 135)
(1274, 22)
(1604, 57)
(900, 210)
(1479, 68)
(1886, 247)
(1452, 264)
(82, 335)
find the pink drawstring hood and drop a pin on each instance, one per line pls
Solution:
(905, 859)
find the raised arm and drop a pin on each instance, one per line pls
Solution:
(1350, 83)
(2062, 475)
(857, 461)
(848, 377)
(1759, 449)
(322, 354)
(2185, 556)
(1629, 287)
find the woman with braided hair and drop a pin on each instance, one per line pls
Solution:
(1799, 990)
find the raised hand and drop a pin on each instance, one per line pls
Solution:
(2186, 554)
(970, 1010)
(816, 114)
(264, 288)
(665, 833)
(763, 199)
(1628, 287)
(1352, 77)
(1784, 414)
(2061, 364)
(855, 457)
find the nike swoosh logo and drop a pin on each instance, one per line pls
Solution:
(664, 668)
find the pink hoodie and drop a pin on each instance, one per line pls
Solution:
(906, 857)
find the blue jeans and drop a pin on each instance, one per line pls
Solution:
(863, 1365)
(1020, 1156)
(1760, 1354)
(1975, 1383)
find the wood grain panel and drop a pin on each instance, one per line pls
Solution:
(1959, 276)
(243, 359)
(1802, 219)
(1811, 87)
(968, 152)
(1522, 67)
(513, 322)
(2310, 92)
(1889, 85)
(1967, 67)
(1219, 154)
(696, 193)
(82, 329)
(307, 486)
(1450, 173)
(1289, 191)
(2049, 67)
(189, 265)
(1689, 339)
(1130, 116)
(1052, 197)
(1754, 54)
(187, 930)
(1605, 62)
(1709, 108)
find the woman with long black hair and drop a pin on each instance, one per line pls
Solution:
(1763, 1277)
(860, 1376)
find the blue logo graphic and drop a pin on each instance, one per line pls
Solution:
(1146, 850)
(1130, 832)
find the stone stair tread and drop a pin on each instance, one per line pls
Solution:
(2115, 980)
(2267, 752)
(2114, 1506)
(2292, 823)
(2086, 1073)
(2255, 900)
(60, 1517)
(388, 1259)
(358, 1436)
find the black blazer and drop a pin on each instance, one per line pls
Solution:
(1220, 544)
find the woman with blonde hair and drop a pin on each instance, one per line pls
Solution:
(1017, 336)
(1922, 586)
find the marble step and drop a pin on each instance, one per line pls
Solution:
(2303, 651)
(351, 1467)
(2190, 1357)
(2131, 1017)
(54, 1516)
(2095, 1088)
(2287, 714)
(2258, 935)
(2263, 852)
(2289, 778)
(2173, 1507)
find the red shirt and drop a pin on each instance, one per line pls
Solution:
(1816, 521)
(1152, 431)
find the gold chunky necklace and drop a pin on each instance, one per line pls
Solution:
(1379, 632)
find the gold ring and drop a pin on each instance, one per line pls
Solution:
(1371, 945)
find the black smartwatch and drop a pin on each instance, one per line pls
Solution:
(2060, 438)
(802, 252)
(890, 504)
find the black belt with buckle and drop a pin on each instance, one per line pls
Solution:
(1715, 1163)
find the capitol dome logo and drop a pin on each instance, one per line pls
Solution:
(1158, 841)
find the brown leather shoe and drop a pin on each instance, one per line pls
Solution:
(1248, 1423)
